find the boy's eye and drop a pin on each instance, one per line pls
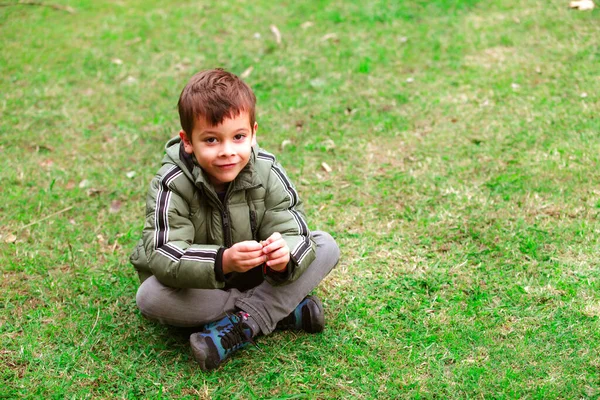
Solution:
(211, 140)
(239, 137)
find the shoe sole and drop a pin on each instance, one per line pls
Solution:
(199, 355)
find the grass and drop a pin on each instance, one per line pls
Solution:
(463, 138)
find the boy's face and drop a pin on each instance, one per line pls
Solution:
(221, 150)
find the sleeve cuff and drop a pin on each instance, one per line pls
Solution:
(277, 276)
(219, 266)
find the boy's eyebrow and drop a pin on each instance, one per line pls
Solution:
(210, 132)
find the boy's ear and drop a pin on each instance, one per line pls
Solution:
(254, 129)
(187, 143)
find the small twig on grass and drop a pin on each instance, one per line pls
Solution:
(93, 327)
(72, 255)
(46, 217)
(283, 348)
(79, 348)
(68, 9)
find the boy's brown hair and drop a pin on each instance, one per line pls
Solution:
(214, 95)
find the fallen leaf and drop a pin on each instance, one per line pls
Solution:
(403, 39)
(538, 70)
(410, 80)
(257, 35)
(46, 163)
(117, 61)
(326, 167)
(10, 238)
(350, 111)
(317, 82)
(84, 183)
(93, 192)
(43, 149)
(307, 24)
(130, 174)
(582, 5)
(180, 67)
(286, 142)
(133, 41)
(130, 80)
(584, 95)
(247, 72)
(329, 144)
(515, 86)
(70, 185)
(115, 206)
(276, 33)
(299, 125)
(329, 36)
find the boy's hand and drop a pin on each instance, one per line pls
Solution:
(243, 256)
(277, 251)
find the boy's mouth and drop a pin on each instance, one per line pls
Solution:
(226, 166)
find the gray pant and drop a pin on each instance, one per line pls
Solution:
(267, 304)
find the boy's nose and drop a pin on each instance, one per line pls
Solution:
(227, 149)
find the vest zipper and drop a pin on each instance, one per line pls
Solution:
(226, 228)
(225, 218)
(253, 217)
(253, 225)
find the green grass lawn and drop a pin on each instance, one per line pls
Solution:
(464, 143)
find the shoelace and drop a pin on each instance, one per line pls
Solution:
(235, 336)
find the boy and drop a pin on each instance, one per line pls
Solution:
(225, 242)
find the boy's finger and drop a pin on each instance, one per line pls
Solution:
(249, 245)
(274, 246)
(254, 262)
(249, 255)
(278, 261)
(275, 236)
(282, 252)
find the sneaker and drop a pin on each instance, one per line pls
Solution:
(307, 316)
(220, 339)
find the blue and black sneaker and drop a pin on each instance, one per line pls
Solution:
(220, 339)
(308, 316)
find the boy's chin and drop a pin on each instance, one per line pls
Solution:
(222, 181)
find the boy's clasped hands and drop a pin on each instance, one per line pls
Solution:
(243, 256)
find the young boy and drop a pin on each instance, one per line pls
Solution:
(226, 243)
